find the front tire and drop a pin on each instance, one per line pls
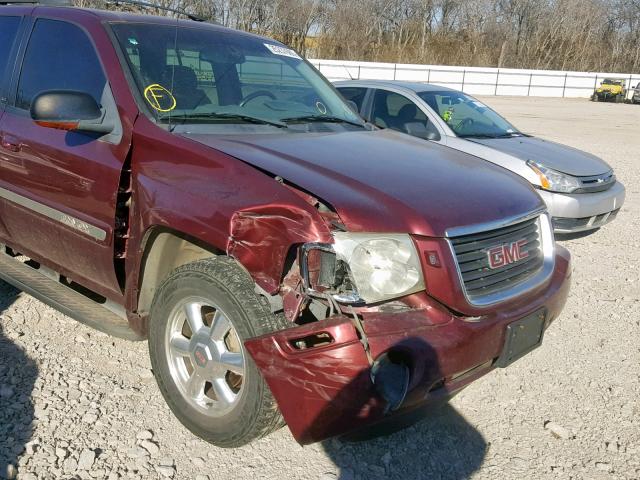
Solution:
(200, 317)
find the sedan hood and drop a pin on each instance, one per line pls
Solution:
(550, 154)
(382, 181)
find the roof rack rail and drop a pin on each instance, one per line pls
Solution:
(55, 3)
(139, 3)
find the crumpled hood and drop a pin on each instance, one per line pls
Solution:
(382, 181)
(553, 155)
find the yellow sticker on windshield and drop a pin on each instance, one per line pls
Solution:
(160, 98)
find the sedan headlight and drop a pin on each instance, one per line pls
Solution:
(553, 180)
(382, 266)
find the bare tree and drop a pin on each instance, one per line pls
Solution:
(601, 35)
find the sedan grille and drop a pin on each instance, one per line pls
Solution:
(495, 261)
(597, 183)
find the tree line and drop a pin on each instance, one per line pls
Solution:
(582, 35)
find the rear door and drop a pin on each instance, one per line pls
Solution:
(9, 39)
(9, 31)
(60, 188)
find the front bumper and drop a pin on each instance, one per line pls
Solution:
(583, 211)
(327, 390)
(606, 95)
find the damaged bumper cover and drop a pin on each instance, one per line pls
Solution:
(321, 373)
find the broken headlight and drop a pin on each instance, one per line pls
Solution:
(369, 267)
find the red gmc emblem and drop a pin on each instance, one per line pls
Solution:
(201, 359)
(506, 254)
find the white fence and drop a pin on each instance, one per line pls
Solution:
(477, 80)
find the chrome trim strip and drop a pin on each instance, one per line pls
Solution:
(548, 264)
(603, 178)
(485, 227)
(53, 214)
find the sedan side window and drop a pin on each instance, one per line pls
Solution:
(397, 112)
(59, 56)
(8, 33)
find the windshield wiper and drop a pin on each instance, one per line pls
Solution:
(185, 117)
(322, 118)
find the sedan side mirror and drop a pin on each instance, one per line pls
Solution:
(69, 110)
(422, 130)
(353, 105)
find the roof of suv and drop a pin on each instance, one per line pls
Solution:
(416, 87)
(128, 17)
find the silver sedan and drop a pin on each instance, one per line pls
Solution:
(580, 189)
(636, 94)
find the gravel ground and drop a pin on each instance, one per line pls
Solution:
(75, 403)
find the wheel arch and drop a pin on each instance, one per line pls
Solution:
(164, 250)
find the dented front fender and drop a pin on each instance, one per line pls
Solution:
(261, 238)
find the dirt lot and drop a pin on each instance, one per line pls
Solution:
(77, 404)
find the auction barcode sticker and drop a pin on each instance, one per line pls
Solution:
(278, 50)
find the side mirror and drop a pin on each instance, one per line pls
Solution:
(422, 130)
(353, 105)
(69, 110)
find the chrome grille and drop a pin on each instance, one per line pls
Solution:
(471, 251)
(596, 183)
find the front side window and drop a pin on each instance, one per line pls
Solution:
(8, 33)
(205, 76)
(397, 112)
(59, 56)
(468, 117)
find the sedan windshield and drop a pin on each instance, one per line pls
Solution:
(468, 117)
(196, 75)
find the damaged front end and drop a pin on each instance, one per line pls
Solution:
(370, 344)
(323, 373)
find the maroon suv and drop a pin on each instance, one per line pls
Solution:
(209, 190)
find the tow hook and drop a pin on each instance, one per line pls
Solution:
(390, 378)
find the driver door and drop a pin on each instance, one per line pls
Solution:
(60, 188)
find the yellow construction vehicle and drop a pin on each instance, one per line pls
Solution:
(610, 90)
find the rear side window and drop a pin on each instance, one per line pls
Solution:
(59, 56)
(8, 34)
(354, 94)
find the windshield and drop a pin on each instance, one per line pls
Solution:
(468, 117)
(197, 75)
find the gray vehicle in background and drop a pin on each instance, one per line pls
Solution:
(580, 189)
(636, 94)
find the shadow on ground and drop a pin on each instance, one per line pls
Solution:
(18, 374)
(442, 446)
(565, 237)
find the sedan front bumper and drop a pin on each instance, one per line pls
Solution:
(583, 211)
(326, 388)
